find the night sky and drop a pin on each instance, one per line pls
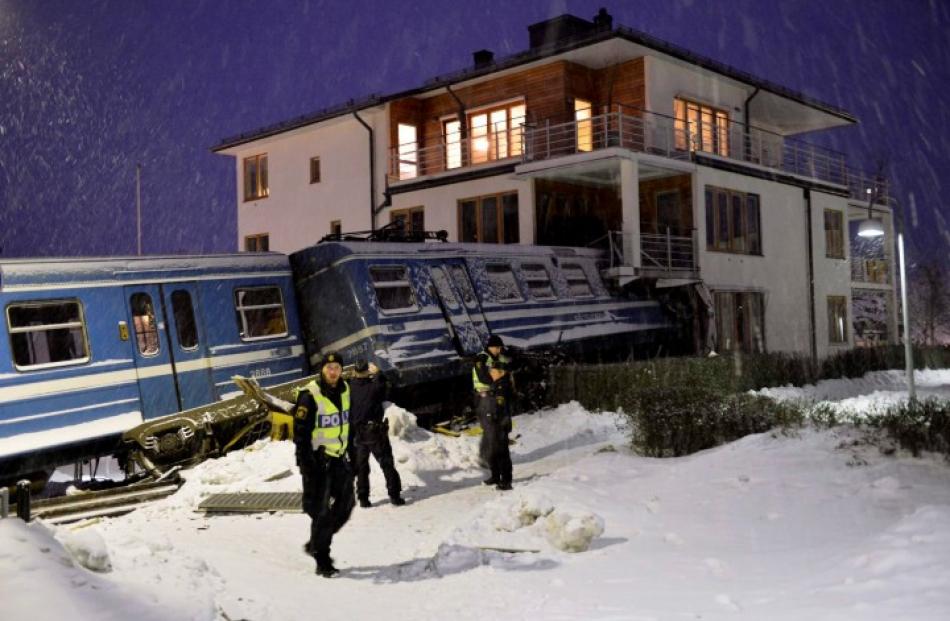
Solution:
(90, 88)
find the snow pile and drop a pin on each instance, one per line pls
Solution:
(573, 532)
(403, 425)
(88, 548)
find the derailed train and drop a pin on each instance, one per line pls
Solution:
(93, 348)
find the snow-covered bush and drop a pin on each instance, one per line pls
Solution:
(920, 425)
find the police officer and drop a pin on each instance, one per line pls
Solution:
(493, 392)
(370, 432)
(321, 433)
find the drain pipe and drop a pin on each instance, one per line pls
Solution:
(372, 171)
(813, 337)
(463, 126)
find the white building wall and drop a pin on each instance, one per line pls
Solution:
(781, 273)
(298, 213)
(441, 203)
(832, 276)
(666, 80)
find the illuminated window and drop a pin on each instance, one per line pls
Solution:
(452, 132)
(495, 134)
(582, 116)
(255, 177)
(837, 319)
(44, 334)
(700, 128)
(408, 151)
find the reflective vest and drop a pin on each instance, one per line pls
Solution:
(502, 360)
(331, 428)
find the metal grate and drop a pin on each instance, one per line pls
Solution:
(253, 502)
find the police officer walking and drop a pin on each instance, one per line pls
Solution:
(321, 433)
(371, 433)
(493, 392)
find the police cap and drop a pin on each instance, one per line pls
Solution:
(331, 357)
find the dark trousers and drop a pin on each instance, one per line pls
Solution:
(495, 418)
(373, 439)
(328, 499)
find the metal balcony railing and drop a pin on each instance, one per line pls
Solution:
(659, 252)
(871, 271)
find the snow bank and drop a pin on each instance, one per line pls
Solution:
(88, 548)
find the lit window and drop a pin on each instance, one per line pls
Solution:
(44, 334)
(496, 134)
(582, 116)
(453, 143)
(408, 151)
(255, 177)
(260, 313)
(700, 128)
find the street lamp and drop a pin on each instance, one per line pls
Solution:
(873, 227)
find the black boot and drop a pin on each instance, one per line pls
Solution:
(325, 566)
(397, 501)
(503, 486)
(365, 503)
(490, 481)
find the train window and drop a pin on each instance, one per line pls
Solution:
(460, 276)
(185, 324)
(538, 281)
(260, 313)
(444, 288)
(393, 289)
(503, 284)
(45, 334)
(577, 282)
(145, 324)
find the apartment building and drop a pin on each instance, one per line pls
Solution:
(690, 173)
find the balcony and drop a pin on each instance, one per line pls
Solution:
(661, 254)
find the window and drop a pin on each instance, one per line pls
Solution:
(700, 128)
(336, 227)
(837, 319)
(452, 135)
(314, 170)
(257, 243)
(489, 219)
(732, 221)
(412, 219)
(260, 313)
(464, 285)
(44, 334)
(408, 151)
(538, 281)
(144, 324)
(740, 321)
(185, 324)
(495, 134)
(504, 287)
(577, 284)
(255, 177)
(444, 288)
(393, 289)
(834, 234)
(582, 117)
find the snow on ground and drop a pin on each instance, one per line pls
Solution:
(816, 525)
(874, 392)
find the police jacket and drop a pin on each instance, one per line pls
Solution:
(321, 419)
(367, 394)
(481, 377)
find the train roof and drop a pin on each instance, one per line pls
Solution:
(49, 271)
(327, 253)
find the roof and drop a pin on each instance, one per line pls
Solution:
(532, 55)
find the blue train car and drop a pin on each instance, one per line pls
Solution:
(93, 347)
(423, 309)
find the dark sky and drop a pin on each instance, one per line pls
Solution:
(89, 88)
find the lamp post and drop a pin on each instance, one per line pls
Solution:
(872, 227)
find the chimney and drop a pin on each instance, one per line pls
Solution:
(603, 20)
(483, 58)
(557, 29)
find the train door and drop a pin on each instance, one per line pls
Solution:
(460, 306)
(169, 348)
(188, 343)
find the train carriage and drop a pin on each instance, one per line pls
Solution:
(423, 310)
(93, 347)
